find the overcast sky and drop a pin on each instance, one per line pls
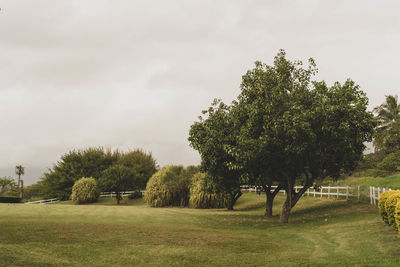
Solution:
(136, 74)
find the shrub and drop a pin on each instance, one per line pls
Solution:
(168, 187)
(10, 200)
(397, 215)
(135, 195)
(391, 163)
(390, 205)
(85, 190)
(381, 206)
(204, 195)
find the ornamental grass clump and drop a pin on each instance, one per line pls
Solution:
(85, 190)
(381, 206)
(168, 187)
(204, 194)
(390, 206)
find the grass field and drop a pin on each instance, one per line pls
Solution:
(320, 232)
(392, 181)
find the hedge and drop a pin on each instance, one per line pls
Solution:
(10, 200)
(85, 190)
(397, 215)
(390, 206)
(381, 206)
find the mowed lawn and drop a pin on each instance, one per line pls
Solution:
(320, 232)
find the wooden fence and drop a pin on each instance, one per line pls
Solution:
(44, 201)
(334, 192)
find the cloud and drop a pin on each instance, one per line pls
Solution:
(137, 74)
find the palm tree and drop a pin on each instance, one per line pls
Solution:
(19, 170)
(388, 115)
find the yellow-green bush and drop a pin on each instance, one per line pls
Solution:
(85, 190)
(390, 206)
(168, 187)
(203, 193)
(381, 206)
(397, 215)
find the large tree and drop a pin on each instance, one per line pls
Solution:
(214, 137)
(387, 136)
(295, 131)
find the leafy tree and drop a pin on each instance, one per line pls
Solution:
(85, 190)
(117, 178)
(74, 165)
(19, 170)
(7, 184)
(387, 135)
(303, 131)
(214, 137)
(34, 191)
(391, 163)
(140, 162)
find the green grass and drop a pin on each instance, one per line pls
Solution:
(321, 232)
(392, 181)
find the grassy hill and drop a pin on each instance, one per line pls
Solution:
(321, 231)
(392, 181)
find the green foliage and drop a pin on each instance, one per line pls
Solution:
(397, 216)
(390, 206)
(391, 163)
(85, 190)
(7, 186)
(214, 137)
(74, 165)
(142, 163)
(34, 191)
(169, 187)
(387, 134)
(135, 195)
(381, 206)
(10, 199)
(118, 178)
(204, 193)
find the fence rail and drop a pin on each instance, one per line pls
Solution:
(333, 191)
(44, 201)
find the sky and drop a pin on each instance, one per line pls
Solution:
(137, 74)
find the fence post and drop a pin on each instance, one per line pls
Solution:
(347, 192)
(320, 191)
(358, 192)
(379, 193)
(373, 194)
(314, 191)
(337, 192)
(329, 191)
(370, 194)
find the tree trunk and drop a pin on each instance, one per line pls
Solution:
(270, 199)
(291, 199)
(286, 208)
(118, 197)
(234, 196)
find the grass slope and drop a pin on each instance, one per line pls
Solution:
(392, 181)
(321, 232)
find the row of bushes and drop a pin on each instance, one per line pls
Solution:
(10, 200)
(389, 208)
(179, 186)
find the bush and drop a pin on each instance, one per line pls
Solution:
(135, 195)
(85, 190)
(397, 215)
(203, 193)
(381, 206)
(391, 163)
(10, 200)
(168, 187)
(390, 205)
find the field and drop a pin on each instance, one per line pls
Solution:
(320, 232)
(392, 181)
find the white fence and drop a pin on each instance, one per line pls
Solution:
(334, 192)
(44, 201)
(113, 194)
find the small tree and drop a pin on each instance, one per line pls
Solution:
(85, 190)
(19, 170)
(7, 184)
(117, 179)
